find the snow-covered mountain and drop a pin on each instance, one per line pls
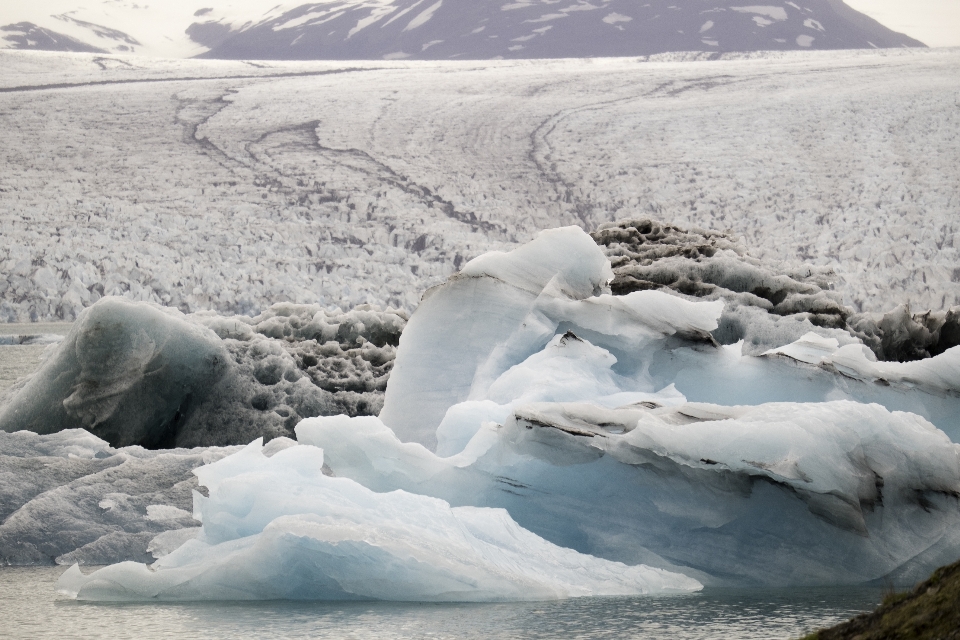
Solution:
(440, 29)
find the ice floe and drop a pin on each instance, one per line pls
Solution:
(306, 536)
(70, 497)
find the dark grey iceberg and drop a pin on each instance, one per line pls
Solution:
(138, 374)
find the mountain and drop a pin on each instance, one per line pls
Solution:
(439, 29)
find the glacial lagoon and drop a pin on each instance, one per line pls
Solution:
(32, 609)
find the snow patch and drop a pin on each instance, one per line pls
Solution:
(423, 17)
(775, 13)
(614, 18)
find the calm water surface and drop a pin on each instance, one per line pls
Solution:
(17, 361)
(31, 609)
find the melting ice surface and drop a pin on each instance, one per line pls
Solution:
(528, 408)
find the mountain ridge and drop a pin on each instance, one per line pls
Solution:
(450, 29)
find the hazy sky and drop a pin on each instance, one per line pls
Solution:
(936, 23)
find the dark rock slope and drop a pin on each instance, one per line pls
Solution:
(479, 29)
(482, 29)
(930, 612)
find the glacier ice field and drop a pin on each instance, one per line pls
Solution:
(230, 186)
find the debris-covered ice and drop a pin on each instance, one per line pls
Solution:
(767, 304)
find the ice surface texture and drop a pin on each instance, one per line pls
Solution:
(70, 497)
(253, 187)
(133, 373)
(279, 528)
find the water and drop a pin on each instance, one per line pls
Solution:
(17, 361)
(31, 609)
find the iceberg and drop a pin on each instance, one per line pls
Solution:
(540, 436)
(140, 374)
(279, 528)
(616, 426)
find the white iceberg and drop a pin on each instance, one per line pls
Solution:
(278, 528)
(573, 414)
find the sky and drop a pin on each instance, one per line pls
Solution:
(936, 23)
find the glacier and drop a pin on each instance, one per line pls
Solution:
(253, 187)
(531, 415)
